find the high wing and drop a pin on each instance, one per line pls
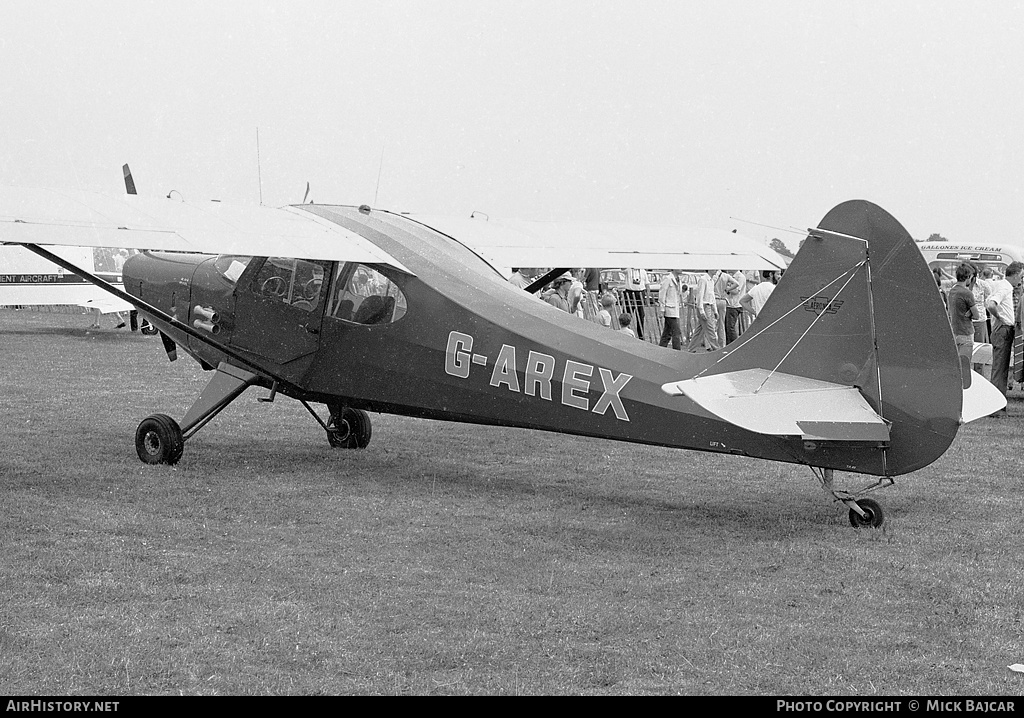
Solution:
(81, 218)
(514, 243)
(89, 219)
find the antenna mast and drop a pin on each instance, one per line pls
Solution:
(380, 168)
(259, 172)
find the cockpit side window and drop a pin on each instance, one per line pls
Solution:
(296, 282)
(365, 296)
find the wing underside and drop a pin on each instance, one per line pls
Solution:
(89, 219)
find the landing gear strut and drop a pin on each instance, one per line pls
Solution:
(864, 512)
(159, 438)
(346, 428)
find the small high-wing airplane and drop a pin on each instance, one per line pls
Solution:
(850, 365)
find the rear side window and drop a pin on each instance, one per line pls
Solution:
(365, 296)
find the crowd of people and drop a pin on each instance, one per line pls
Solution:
(704, 315)
(984, 309)
(709, 310)
(719, 306)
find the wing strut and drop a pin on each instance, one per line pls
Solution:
(151, 310)
(539, 283)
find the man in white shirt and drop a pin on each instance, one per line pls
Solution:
(707, 313)
(753, 301)
(1000, 305)
(634, 297)
(723, 279)
(577, 292)
(518, 279)
(985, 281)
(670, 301)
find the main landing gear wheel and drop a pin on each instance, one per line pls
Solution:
(873, 514)
(158, 440)
(349, 429)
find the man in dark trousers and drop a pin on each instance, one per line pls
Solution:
(1000, 304)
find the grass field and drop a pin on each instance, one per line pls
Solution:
(456, 559)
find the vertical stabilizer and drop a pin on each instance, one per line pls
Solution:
(859, 307)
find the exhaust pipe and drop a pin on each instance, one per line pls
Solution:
(206, 313)
(207, 326)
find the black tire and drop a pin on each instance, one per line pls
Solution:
(351, 430)
(361, 427)
(148, 329)
(158, 440)
(874, 517)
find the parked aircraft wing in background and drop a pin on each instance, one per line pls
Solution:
(509, 243)
(26, 279)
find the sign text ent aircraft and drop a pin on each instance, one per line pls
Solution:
(28, 279)
(850, 366)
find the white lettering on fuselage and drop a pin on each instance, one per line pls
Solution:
(538, 374)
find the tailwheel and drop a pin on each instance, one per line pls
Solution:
(349, 428)
(873, 514)
(870, 511)
(158, 440)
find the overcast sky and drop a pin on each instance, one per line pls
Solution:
(693, 113)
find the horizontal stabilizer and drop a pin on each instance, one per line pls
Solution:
(785, 405)
(981, 399)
